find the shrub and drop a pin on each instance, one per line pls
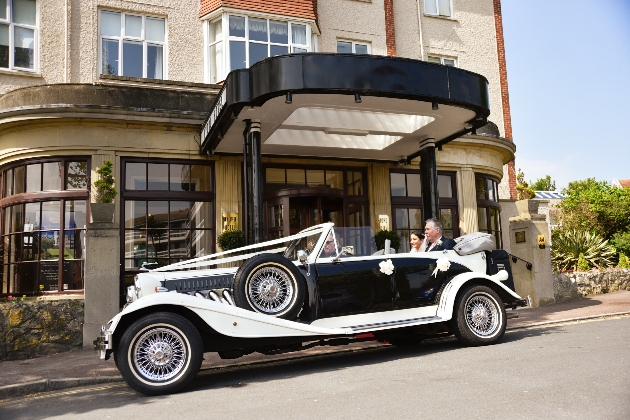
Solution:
(621, 242)
(582, 264)
(231, 239)
(624, 261)
(380, 237)
(569, 245)
(105, 191)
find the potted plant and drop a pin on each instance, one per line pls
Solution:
(380, 237)
(231, 239)
(103, 207)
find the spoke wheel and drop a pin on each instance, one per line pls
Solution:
(160, 353)
(270, 284)
(270, 289)
(478, 316)
(482, 315)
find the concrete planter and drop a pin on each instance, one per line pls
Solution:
(102, 212)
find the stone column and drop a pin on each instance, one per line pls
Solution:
(536, 283)
(102, 277)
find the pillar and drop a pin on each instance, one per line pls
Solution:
(429, 179)
(537, 283)
(102, 277)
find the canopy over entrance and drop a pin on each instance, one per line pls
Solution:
(345, 106)
(402, 101)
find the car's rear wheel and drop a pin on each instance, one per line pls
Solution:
(478, 316)
(160, 353)
(270, 284)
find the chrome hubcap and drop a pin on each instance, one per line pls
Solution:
(160, 354)
(482, 315)
(270, 290)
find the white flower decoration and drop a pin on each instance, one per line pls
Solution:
(387, 267)
(443, 264)
(438, 243)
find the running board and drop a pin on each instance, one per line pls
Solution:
(395, 324)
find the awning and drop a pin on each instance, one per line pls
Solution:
(345, 106)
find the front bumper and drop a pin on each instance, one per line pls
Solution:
(104, 344)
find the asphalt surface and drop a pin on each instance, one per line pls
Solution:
(83, 368)
(578, 370)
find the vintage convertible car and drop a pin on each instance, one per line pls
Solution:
(290, 295)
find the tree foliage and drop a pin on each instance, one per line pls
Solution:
(595, 206)
(544, 184)
(523, 188)
(621, 242)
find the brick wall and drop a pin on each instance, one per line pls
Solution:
(306, 9)
(505, 96)
(390, 32)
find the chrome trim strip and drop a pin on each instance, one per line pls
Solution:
(395, 324)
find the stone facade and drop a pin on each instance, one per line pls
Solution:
(570, 286)
(37, 328)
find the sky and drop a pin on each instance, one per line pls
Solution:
(568, 65)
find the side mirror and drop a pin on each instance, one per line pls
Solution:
(302, 256)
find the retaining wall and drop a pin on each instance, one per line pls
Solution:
(37, 328)
(576, 285)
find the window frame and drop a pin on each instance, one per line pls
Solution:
(442, 58)
(12, 25)
(225, 38)
(354, 45)
(123, 37)
(406, 202)
(487, 204)
(169, 196)
(437, 7)
(62, 196)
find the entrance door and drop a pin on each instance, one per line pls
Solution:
(289, 215)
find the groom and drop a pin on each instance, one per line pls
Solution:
(433, 238)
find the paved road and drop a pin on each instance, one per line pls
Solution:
(578, 370)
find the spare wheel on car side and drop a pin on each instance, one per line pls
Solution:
(270, 284)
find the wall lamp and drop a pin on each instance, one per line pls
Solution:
(357, 98)
(434, 106)
(289, 98)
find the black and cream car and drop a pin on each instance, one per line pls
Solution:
(285, 295)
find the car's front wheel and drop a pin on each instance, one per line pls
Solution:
(478, 316)
(160, 353)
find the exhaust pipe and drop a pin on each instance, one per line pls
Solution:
(213, 295)
(228, 297)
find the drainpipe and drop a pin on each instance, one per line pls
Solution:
(420, 29)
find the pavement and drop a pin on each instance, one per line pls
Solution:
(82, 367)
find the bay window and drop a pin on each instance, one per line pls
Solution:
(132, 45)
(236, 42)
(18, 34)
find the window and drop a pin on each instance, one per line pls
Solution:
(438, 8)
(442, 60)
(236, 42)
(132, 45)
(168, 212)
(352, 47)
(43, 234)
(406, 200)
(18, 34)
(488, 208)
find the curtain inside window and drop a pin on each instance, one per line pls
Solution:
(279, 32)
(237, 26)
(298, 34)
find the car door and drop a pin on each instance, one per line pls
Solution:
(352, 285)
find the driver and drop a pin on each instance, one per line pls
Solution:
(329, 250)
